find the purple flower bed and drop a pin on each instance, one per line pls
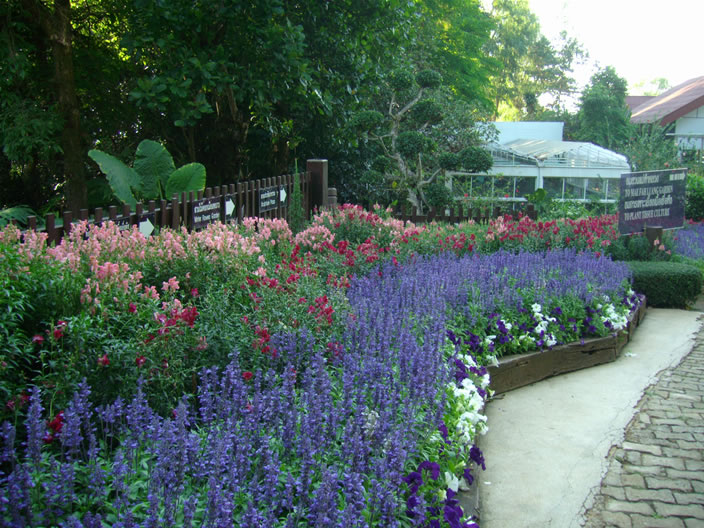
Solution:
(689, 241)
(379, 431)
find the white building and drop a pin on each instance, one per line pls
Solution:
(681, 109)
(532, 155)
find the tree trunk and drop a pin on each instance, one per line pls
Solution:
(57, 27)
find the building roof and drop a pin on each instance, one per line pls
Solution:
(671, 105)
(634, 101)
(558, 153)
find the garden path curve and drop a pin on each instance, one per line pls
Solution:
(548, 444)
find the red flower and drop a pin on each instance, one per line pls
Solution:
(194, 292)
(57, 423)
(37, 339)
(103, 361)
(59, 330)
(247, 375)
(140, 360)
(132, 308)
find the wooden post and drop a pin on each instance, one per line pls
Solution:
(175, 216)
(51, 229)
(318, 169)
(332, 196)
(68, 218)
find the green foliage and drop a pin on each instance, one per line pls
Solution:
(367, 120)
(16, 214)
(425, 132)
(401, 81)
(694, 196)
(411, 143)
(475, 159)
(428, 79)
(296, 214)
(648, 148)
(637, 248)
(604, 117)
(667, 284)
(239, 86)
(152, 177)
(448, 160)
(427, 112)
(529, 64)
(438, 195)
(541, 200)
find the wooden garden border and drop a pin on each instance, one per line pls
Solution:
(523, 369)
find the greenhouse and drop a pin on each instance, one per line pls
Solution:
(567, 170)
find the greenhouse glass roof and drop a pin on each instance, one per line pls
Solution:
(553, 153)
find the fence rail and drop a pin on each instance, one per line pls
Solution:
(193, 210)
(265, 198)
(455, 215)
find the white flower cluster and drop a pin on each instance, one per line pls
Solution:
(618, 321)
(467, 405)
(542, 326)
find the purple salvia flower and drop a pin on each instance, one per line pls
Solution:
(35, 427)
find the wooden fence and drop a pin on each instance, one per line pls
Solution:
(461, 214)
(265, 198)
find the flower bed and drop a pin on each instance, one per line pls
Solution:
(244, 376)
(513, 372)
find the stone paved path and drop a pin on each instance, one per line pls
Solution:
(655, 478)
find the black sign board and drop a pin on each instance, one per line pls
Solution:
(144, 222)
(652, 198)
(124, 223)
(271, 198)
(205, 211)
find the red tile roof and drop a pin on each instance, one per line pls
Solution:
(671, 105)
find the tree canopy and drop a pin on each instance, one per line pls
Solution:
(242, 86)
(529, 64)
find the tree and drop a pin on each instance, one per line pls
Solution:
(654, 87)
(51, 111)
(603, 116)
(649, 148)
(531, 65)
(415, 148)
(237, 85)
(450, 37)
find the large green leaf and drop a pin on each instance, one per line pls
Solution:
(123, 180)
(154, 164)
(190, 177)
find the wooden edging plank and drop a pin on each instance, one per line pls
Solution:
(520, 370)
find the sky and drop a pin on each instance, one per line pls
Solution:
(642, 39)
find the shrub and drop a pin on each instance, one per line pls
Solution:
(694, 204)
(666, 284)
(637, 247)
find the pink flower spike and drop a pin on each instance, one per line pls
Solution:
(37, 339)
(194, 292)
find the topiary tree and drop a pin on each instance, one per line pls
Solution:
(423, 132)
